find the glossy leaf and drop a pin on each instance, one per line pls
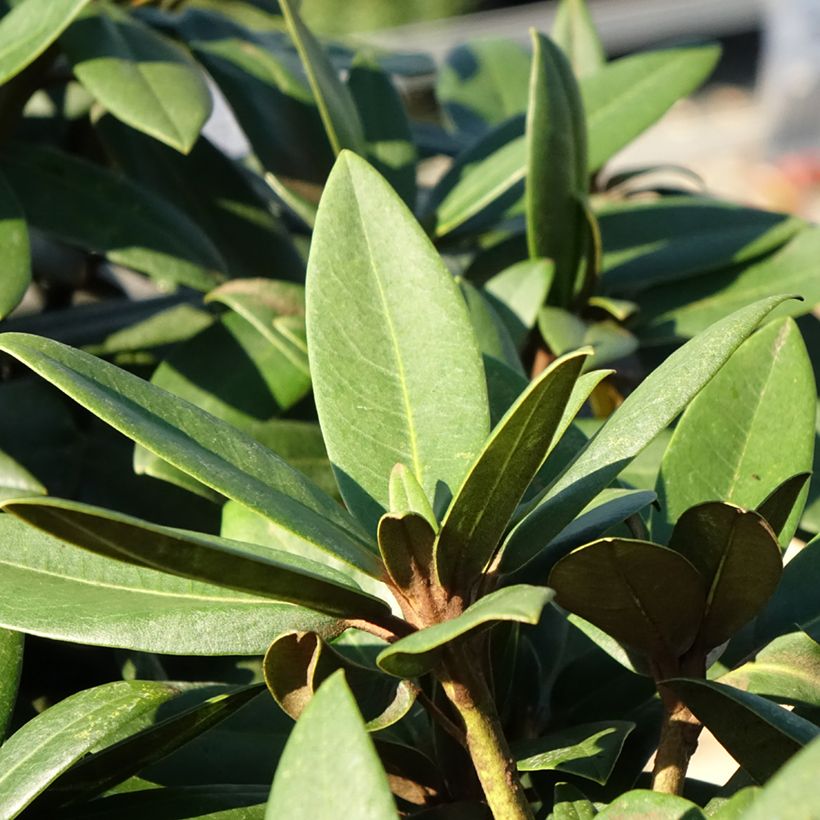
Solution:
(11, 663)
(87, 205)
(405, 494)
(336, 105)
(760, 735)
(139, 76)
(53, 589)
(484, 504)
(396, 309)
(29, 28)
(641, 803)
(244, 567)
(16, 481)
(556, 168)
(737, 554)
(214, 453)
(329, 746)
(588, 750)
(644, 595)
(17, 254)
(627, 95)
(630, 428)
(574, 31)
(387, 136)
(665, 315)
(421, 651)
(45, 747)
(482, 83)
(742, 455)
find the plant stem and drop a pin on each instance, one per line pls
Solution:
(466, 687)
(679, 739)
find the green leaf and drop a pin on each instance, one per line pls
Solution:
(406, 544)
(563, 332)
(16, 481)
(675, 238)
(11, 664)
(87, 205)
(641, 803)
(387, 135)
(570, 803)
(14, 240)
(557, 168)
(626, 96)
(142, 78)
(484, 504)
(53, 589)
(483, 83)
(574, 31)
(644, 414)
(397, 311)
(494, 340)
(405, 494)
(336, 105)
(759, 735)
(786, 671)
(643, 595)
(244, 567)
(29, 28)
(781, 502)
(329, 746)
(742, 455)
(45, 747)
(671, 312)
(214, 453)
(588, 750)
(421, 651)
(737, 554)
(112, 764)
(792, 793)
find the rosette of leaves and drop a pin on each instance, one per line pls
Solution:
(384, 622)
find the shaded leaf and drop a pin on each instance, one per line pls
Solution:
(491, 332)
(16, 251)
(570, 803)
(405, 494)
(642, 803)
(780, 503)
(406, 543)
(11, 664)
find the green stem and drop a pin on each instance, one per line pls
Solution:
(466, 687)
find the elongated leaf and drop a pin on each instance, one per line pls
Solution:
(50, 588)
(589, 750)
(29, 28)
(644, 595)
(481, 509)
(379, 338)
(556, 167)
(563, 332)
(339, 114)
(87, 205)
(626, 96)
(407, 495)
(330, 746)
(780, 503)
(111, 765)
(406, 542)
(742, 455)
(16, 481)
(49, 744)
(665, 315)
(760, 735)
(574, 31)
(494, 340)
(570, 803)
(16, 252)
(641, 803)
(420, 652)
(243, 567)
(214, 453)
(737, 554)
(387, 135)
(647, 411)
(482, 83)
(139, 76)
(11, 663)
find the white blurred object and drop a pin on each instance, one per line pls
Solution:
(790, 80)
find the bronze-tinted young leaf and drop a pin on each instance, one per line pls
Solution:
(405, 494)
(385, 321)
(737, 554)
(421, 651)
(644, 595)
(243, 567)
(646, 411)
(406, 545)
(483, 506)
(336, 105)
(779, 505)
(760, 735)
(11, 663)
(329, 746)
(557, 168)
(574, 31)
